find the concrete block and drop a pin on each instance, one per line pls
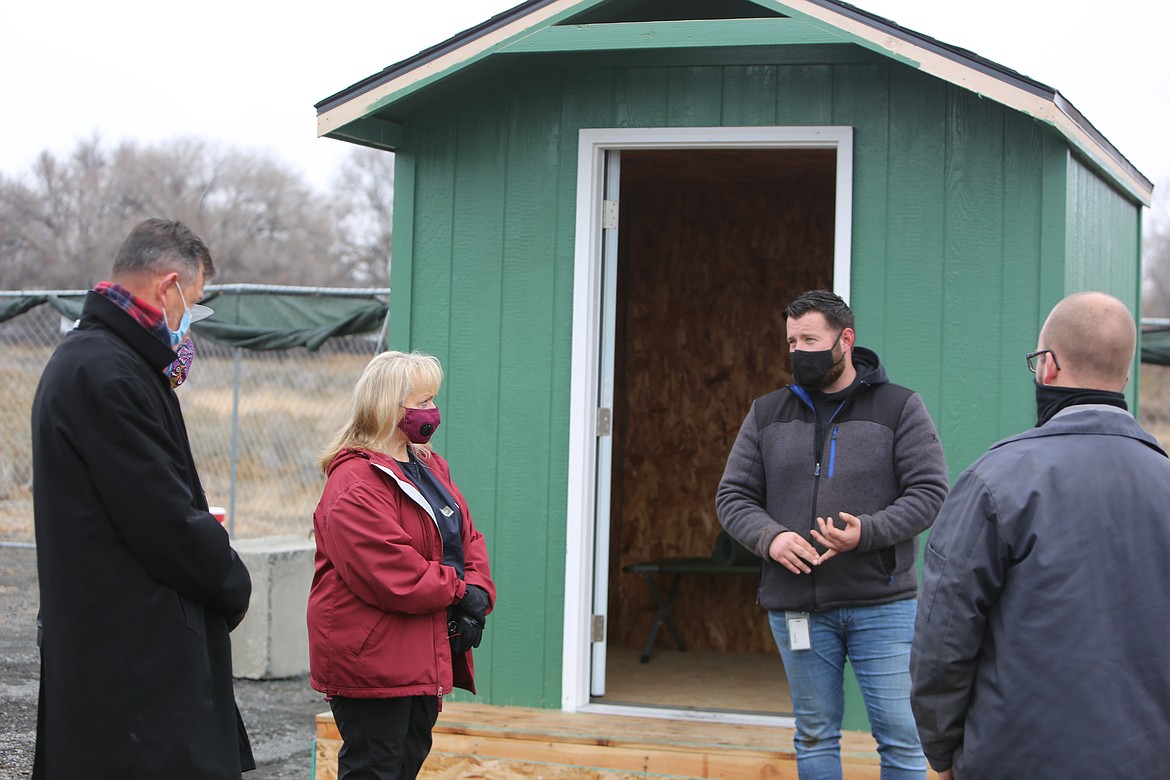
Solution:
(272, 641)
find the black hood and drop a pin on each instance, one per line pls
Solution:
(869, 366)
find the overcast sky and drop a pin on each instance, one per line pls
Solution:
(246, 73)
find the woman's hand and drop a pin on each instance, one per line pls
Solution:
(465, 632)
(475, 602)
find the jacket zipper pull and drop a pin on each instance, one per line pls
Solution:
(832, 451)
(817, 470)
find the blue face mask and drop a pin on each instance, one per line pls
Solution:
(177, 336)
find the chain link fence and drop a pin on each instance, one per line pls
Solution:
(256, 420)
(1154, 402)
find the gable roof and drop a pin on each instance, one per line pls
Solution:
(544, 26)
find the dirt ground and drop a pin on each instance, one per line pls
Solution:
(279, 713)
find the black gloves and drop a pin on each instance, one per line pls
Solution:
(464, 631)
(475, 603)
(467, 619)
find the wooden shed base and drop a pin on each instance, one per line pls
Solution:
(481, 741)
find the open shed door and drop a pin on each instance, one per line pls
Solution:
(605, 406)
(664, 281)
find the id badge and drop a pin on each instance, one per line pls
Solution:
(798, 636)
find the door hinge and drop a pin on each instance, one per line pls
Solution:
(609, 214)
(598, 630)
(604, 422)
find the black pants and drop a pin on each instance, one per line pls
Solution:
(384, 739)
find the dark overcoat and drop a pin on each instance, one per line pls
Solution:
(138, 582)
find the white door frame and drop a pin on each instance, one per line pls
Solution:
(587, 334)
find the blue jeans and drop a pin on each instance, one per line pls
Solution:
(876, 640)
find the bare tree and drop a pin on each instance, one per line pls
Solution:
(1156, 256)
(56, 225)
(364, 209)
(61, 227)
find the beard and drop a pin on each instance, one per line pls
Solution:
(833, 374)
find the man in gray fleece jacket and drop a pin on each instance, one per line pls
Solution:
(830, 481)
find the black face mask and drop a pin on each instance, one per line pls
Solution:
(814, 370)
(1050, 399)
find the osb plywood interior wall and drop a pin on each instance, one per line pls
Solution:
(713, 244)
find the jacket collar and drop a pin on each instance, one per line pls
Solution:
(408, 488)
(99, 309)
(1092, 420)
(383, 463)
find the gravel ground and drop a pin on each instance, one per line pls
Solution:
(279, 714)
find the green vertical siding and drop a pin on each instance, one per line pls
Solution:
(473, 360)
(1020, 292)
(861, 99)
(694, 97)
(402, 251)
(429, 279)
(1104, 243)
(961, 219)
(972, 313)
(522, 531)
(912, 275)
(641, 98)
(804, 95)
(1104, 248)
(749, 96)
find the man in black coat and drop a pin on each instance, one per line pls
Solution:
(139, 584)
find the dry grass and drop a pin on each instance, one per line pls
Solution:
(1154, 404)
(290, 405)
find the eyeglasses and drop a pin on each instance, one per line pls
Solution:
(1031, 358)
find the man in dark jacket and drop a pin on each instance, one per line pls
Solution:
(830, 481)
(139, 585)
(1042, 638)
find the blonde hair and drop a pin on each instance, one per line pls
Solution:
(378, 400)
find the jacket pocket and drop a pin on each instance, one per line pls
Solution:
(936, 559)
(192, 614)
(374, 635)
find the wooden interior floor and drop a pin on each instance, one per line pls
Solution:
(697, 679)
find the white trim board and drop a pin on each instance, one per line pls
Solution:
(591, 152)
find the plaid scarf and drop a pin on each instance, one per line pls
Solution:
(143, 313)
(154, 321)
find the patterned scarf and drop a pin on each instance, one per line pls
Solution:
(154, 321)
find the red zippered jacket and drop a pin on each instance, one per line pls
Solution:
(378, 603)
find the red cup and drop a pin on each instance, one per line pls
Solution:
(218, 512)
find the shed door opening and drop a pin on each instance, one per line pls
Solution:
(712, 244)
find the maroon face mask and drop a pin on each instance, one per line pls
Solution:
(419, 424)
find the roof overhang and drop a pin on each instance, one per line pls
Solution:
(531, 27)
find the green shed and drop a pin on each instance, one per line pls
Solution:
(601, 207)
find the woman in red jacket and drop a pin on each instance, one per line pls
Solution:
(401, 587)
